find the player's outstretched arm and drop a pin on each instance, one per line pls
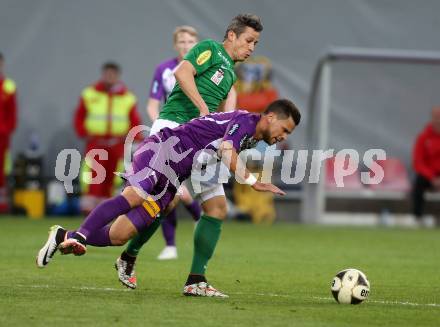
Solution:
(232, 161)
(184, 74)
(267, 187)
(230, 103)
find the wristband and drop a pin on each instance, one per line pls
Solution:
(251, 180)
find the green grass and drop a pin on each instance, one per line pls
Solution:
(275, 276)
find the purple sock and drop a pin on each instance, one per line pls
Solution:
(194, 209)
(103, 214)
(101, 237)
(169, 228)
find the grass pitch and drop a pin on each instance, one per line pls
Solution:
(275, 276)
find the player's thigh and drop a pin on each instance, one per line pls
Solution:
(213, 199)
(215, 207)
(122, 230)
(134, 197)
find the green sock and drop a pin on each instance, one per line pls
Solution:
(206, 236)
(135, 244)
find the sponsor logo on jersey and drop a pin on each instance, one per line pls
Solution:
(218, 76)
(233, 129)
(203, 57)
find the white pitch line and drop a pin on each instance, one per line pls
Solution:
(331, 299)
(81, 288)
(263, 294)
(389, 302)
(109, 289)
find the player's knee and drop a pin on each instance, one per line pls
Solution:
(121, 231)
(119, 241)
(215, 207)
(133, 198)
(219, 211)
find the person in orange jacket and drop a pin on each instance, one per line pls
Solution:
(8, 122)
(426, 163)
(106, 112)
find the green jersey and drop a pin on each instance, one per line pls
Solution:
(214, 78)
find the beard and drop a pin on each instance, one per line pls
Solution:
(268, 138)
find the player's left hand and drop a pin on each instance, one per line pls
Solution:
(267, 187)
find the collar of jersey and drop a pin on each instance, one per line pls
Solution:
(222, 49)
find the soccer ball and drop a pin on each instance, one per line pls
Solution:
(350, 286)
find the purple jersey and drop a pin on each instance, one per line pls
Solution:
(163, 80)
(208, 132)
(166, 159)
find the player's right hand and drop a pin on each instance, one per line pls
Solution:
(267, 187)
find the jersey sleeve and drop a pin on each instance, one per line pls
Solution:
(202, 55)
(157, 90)
(239, 129)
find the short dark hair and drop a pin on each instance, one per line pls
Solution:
(284, 109)
(111, 65)
(240, 22)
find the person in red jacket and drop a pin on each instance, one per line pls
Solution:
(105, 114)
(426, 162)
(8, 121)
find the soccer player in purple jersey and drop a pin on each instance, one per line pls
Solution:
(184, 38)
(161, 163)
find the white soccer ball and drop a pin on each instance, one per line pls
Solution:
(350, 286)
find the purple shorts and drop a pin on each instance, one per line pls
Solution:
(156, 189)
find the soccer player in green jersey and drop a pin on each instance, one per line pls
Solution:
(204, 80)
(185, 37)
